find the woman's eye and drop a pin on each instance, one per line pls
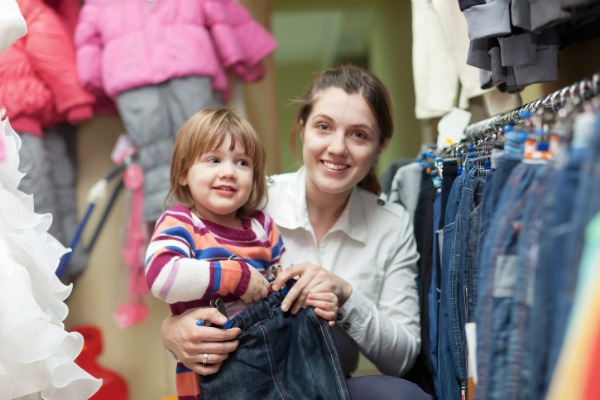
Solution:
(360, 135)
(323, 126)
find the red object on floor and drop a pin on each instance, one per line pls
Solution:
(592, 384)
(114, 386)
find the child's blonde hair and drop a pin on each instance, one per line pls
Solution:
(206, 131)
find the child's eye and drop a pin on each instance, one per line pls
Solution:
(212, 160)
(244, 163)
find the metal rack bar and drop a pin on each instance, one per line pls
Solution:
(584, 89)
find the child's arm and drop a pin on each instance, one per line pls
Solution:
(326, 305)
(174, 276)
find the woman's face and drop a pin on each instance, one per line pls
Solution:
(340, 142)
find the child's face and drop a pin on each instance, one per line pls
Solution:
(220, 182)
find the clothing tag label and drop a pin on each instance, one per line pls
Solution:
(440, 235)
(471, 335)
(495, 157)
(451, 127)
(505, 276)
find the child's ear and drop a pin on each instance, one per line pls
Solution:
(183, 180)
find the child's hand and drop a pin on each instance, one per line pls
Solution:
(325, 305)
(258, 287)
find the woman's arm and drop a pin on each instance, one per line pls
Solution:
(189, 342)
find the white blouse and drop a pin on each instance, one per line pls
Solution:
(371, 246)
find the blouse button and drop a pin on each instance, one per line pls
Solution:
(346, 326)
(381, 202)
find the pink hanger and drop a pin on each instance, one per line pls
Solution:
(134, 248)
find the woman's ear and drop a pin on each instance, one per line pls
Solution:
(383, 147)
(301, 129)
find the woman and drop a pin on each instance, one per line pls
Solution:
(340, 238)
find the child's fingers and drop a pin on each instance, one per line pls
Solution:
(323, 304)
(328, 296)
(326, 315)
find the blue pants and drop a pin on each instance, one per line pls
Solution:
(374, 387)
(280, 356)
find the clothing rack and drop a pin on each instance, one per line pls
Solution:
(584, 89)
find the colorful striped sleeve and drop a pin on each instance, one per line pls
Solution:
(275, 240)
(174, 274)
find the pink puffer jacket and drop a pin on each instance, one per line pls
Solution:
(39, 85)
(124, 44)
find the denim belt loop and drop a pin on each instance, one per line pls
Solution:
(264, 310)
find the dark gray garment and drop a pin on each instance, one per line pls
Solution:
(152, 116)
(49, 165)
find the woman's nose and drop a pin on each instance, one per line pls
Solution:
(338, 144)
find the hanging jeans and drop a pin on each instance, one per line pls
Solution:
(557, 224)
(451, 370)
(280, 356)
(522, 354)
(458, 281)
(586, 204)
(495, 300)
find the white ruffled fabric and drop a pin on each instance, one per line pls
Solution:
(37, 355)
(12, 23)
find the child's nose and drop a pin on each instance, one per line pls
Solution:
(227, 170)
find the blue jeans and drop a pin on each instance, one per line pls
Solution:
(585, 205)
(521, 340)
(280, 356)
(375, 387)
(433, 294)
(493, 187)
(498, 266)
(459, 279)
(450, 373)
(557, 225)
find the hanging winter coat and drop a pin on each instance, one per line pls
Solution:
(40, 87)
(126, 44)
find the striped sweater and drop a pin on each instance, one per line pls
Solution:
(190, 261)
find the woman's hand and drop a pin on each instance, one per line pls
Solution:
(190, 342)
(313, 279)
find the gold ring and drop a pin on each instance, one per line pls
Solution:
(205, 358)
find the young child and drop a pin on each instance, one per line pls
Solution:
(216, 243)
